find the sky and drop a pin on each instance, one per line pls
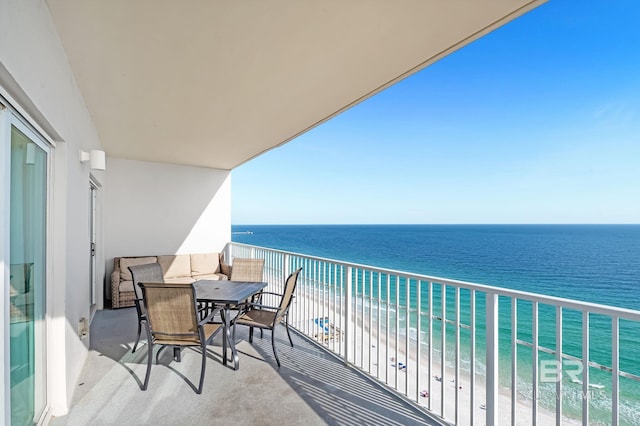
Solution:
(537, 122)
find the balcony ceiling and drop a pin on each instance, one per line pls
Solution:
(216, 83)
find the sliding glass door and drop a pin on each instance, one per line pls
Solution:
(27, 276)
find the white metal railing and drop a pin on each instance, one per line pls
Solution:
(468, 353)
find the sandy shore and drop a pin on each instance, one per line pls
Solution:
(427, 386)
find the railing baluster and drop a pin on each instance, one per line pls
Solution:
(340, 273)
(514, 360)
(397, 330)
(492, 358)
(325, 318)
(472, 361)
(366, 331)
(585, 368)
(347, 322)
(326, 286)
(387, 325)
(307, 295)
(354, 319)
(615, 371)
(534, 362)
(407, 331)
(322, 295)
(314, 298)
(457, 360)
(430, 341)
(378, 360)
(370, 316)
(316, 295)
(356, 327)
(339, 294)
(443, 347)
(559, 363)
(362, 316)
(365, 282)
(334, 318)
(418, 339)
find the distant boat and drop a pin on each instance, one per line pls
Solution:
(242, 233)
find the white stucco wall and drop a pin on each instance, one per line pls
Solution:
(156, 209)
(36, 79)
(147, 207)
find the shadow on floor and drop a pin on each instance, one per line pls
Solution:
(339, 394)
(312, 386)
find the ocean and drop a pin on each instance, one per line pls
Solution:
(592, 263)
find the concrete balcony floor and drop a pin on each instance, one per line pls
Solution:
(312, 387)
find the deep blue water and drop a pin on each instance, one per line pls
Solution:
(593, 263)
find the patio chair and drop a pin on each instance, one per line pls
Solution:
(249, 270)
(268, 317)
(148, 273)
(243, 270)
(172, 320)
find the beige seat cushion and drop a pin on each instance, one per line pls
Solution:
(125, 262)
(205, 263)
(175, 266)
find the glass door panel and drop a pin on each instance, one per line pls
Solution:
(27, 278)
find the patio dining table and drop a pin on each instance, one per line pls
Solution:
(228, 294)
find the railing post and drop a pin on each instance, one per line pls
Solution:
(285, 267)
(348, 313)
(229, 253)
(492, 358)
(615, 367)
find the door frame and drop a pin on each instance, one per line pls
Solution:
(10, 117)
(94, 187)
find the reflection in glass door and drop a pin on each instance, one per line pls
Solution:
(27, 255)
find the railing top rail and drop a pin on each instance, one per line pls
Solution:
(500, 291)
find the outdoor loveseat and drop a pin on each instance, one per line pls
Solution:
(181, 268)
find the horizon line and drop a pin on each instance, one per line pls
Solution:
(435, 224)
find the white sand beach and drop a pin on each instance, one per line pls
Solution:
(427, 387)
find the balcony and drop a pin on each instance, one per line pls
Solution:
(312, 386)
(369, 349)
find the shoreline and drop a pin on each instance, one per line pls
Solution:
(400, 373)
(442, 381)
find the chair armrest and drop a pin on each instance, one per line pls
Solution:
(271, 293)
(259, 306)
(138, 303)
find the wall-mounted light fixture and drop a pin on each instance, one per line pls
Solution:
(96, 159)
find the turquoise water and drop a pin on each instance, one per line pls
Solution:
(593, 263)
